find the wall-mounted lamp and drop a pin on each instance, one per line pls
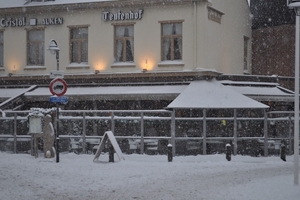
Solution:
(145, 69)
(14, 70)
(97, 71)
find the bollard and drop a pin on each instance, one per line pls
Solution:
(111, 153)
(228, 152)
(170, 154)
(283, 151)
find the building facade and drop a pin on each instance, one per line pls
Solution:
(136, 56)
(122, 36)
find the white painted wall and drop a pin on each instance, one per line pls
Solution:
(206, 44)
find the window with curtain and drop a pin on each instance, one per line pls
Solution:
(79, 45)
(35, 47)
(124, 38)
(171, 41)
(1, 48)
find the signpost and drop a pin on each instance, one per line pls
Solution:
(55, 99)
(58, 87)
(57, 74)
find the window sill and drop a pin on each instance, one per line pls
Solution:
(123, 65)
(34, 67)
(78, 66)
(2, 69)
(246, 72)
(169, 63)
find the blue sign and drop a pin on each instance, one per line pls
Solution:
(55, 99)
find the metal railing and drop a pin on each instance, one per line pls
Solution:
(161, 125)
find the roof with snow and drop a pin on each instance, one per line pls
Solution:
(198, 94)
(28, 3)
(212, 94)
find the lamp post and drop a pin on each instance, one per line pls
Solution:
(53, 48)
(296, 6)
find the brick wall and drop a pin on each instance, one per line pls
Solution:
(273, 50)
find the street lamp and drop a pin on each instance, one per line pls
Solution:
(53, 48)
(296, 6)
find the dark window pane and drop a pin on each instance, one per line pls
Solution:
(74, 52)
(129, 50)
(31, 55)
(84, 51)
(119, 49)
(1, 55)
(166, 49)
(41, 54)
(177, 48)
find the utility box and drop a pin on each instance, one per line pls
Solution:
(35, 124)
(35, 130)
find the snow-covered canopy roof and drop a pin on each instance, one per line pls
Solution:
(212, 94)
(261, 91)
(113, 92)
(206, 92)
(26, 3)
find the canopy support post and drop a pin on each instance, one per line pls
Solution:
(204, 132)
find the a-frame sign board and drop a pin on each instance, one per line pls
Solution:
(108, 135)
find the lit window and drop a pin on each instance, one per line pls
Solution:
(1, 49)
(246, 41)
(124, 43)
(79, 45)
(35, 47)
(171, 41)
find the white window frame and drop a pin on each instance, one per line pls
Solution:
(124, 40)
(2, 49)
(39, 49)
(173, 37)
(80, 43)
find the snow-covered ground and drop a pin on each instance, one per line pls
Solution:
(146, 177)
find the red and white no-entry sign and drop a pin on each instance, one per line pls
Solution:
(58, 87)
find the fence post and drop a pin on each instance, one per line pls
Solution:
(173, 132)
(265, 133)
(234, 133)
(204, 132)
(228, 152)
(290, 134)
(142, 134)
(111, 151)
(15, 133)
(83, 133)
(112, 127)
(170, 153)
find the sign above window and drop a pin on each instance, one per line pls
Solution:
(121, 16)
(18, 22)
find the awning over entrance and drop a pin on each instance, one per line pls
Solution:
(12, 94)
(212, 94)
(161, 92)
(261, 91)
(199, 94)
